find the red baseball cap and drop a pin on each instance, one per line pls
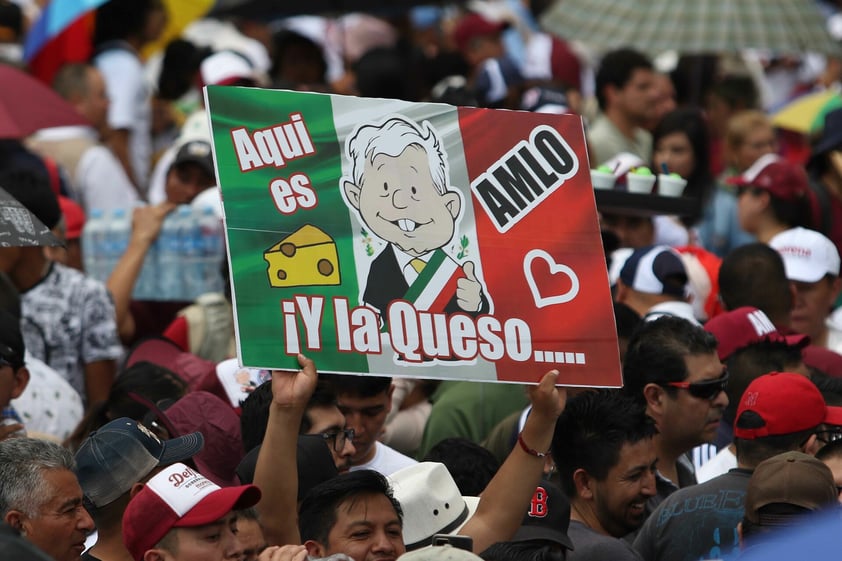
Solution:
(787, 402)
(474, 25)
(74, 218)
(774, 174)
(746, 326)
(178, 497)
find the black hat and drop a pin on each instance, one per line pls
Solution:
(548, 517)
(12, 348)
(197, 152)
(315, 463)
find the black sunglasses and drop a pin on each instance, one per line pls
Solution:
(829, 435)
(338, 437)
(708, 389)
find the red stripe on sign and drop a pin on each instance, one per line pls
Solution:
(447, 291)
(531, 195)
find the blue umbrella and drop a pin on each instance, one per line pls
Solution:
(817, 539)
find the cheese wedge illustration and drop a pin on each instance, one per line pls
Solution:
(306, 257)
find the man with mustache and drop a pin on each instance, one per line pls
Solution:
(672, 367)
(605, 454)
(778, 412)
(40, 497)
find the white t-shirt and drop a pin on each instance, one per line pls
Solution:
(834, 338)
(386, 460)
(49, 406)
(131, 106)
(100, 181)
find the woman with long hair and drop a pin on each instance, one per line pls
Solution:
(681, 143)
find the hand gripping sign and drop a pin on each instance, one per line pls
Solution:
(411, 239)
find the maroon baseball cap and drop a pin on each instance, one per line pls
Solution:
(772, 173)
(474, 25)
(787, 403)
(746, 326)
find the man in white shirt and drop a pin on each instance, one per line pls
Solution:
(366, 401)
(97, 178)
(122, 28)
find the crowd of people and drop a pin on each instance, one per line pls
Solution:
(123, 440)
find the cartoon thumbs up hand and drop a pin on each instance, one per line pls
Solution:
(469, 290)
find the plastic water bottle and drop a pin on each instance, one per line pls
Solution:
(146, 287)
(93, 238)
(190, 243)
(169, 260)
(118, 231)
(212, 248)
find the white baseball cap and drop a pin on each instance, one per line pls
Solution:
(808, 255)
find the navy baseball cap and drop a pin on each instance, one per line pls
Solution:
(656, 269)
(122, 453)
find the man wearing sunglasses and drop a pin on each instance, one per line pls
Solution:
(778, 412)
(672, 366)
(14, 375)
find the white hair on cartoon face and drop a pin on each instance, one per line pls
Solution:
(391, 138)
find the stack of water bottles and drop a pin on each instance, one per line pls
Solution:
(183, 263)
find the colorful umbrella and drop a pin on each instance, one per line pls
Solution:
(27, 105)
(180, 14)
(694, 26)
(62, 34)
(806, 113)
(57, 16)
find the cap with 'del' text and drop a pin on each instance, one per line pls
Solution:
(178, 497)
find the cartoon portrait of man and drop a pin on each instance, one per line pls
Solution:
(399, 187)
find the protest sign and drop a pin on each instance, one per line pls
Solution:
(412, 239)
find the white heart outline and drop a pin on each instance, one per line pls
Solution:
(541, 301)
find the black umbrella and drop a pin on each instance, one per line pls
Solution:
(19, 227)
